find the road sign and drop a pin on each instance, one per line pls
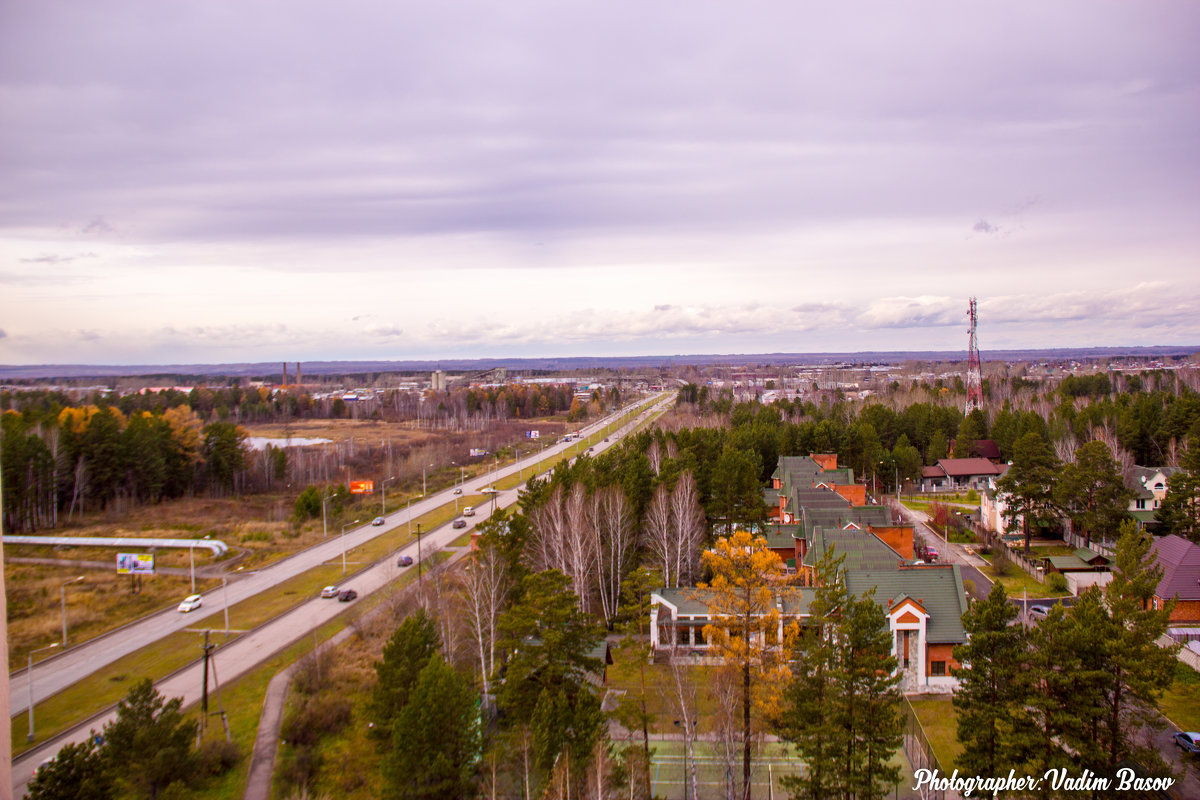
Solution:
(362, 487)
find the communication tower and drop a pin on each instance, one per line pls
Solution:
(974, 371)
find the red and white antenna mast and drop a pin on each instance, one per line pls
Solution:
(974, 371)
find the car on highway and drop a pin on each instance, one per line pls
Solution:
(191, 603)
(378, 521)
(468, 511)
(459, 523)
(489, 490)
(404, 561)
(1188, 742)
(329, 591)
(458, 491)
(346, 595)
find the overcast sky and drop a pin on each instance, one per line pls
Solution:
(237, 181)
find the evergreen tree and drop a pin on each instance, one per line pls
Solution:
(1029, 485)
(841, 709)
(545, 682)
(435, 741)
(77, 772)
(1180, 509)
(993, 686)
(413, 644)
(149, 744)
(1092, 492)
(807, 720)
(1138, 670)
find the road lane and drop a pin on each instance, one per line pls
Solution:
(242, 655)
(53, 675)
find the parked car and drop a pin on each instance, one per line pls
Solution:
(329, 591)
(405, 561)
(459, 523)
(1188, 742)
(346, 595)
(1038, 613)
(191, 603)
(378, 521)
(468, 511)
(931, 554)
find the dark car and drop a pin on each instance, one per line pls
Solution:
(459, 523)
(1188, 742)
(346, 595)
(405, 561)
(378, 521)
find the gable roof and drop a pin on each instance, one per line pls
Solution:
(1137, 479)
(1180, 560)
(963, 467)
(939, 590)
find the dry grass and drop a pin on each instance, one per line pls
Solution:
(340, 430)
(98, 603)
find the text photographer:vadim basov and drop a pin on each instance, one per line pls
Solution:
(1058, 779)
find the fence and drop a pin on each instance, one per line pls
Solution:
(919, 752)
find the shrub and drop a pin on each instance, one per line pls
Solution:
(1057, 582)
(315, 717)
(218, 756)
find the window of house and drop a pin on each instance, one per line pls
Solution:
(1141, 503)
(700, 636)
(937, 668)
(683, 634)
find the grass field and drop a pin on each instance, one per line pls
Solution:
(937, 716)
(1181, 703)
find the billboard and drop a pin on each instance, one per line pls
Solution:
(362, 487)
(477, 452)
(135, 563)
(533, 434)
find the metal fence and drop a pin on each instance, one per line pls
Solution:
(919, 752)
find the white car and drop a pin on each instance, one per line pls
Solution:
(191, 603)
(468, 511)
(329, 591)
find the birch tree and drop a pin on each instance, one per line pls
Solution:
(485, 587)
(660, 535)
(687, 516)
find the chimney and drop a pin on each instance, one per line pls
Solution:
(284, 374)
(297, 373)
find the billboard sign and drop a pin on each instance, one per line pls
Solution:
(477, 452)
(362, 487)
(533, 434)
(135, 563)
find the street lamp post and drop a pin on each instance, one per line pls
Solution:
(347, 525)
(455, 464)
(424, 487)
(29, 681)
(383, 489)
(63, 590)
(420, 590)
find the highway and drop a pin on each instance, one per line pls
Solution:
(244, 653)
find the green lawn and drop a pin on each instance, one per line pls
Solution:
(938, 718)
(1181, 703)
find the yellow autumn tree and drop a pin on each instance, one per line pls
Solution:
(747, 630)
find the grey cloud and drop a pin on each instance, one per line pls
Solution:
(88, 336)
(56, 259)
(983, 226)
(98, 226)
(385, 331)
(912, 312)
(3, 334)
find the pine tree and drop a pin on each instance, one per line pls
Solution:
(1092, 492)
(1029, 485)
(993, 686)
(1138, 670)
(841, 709)
(435, 741)
(414, 643)
(149, 744)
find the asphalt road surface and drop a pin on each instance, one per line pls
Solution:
(243, 654)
